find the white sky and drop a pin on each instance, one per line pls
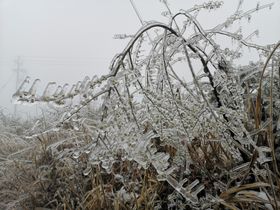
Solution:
(65, 40)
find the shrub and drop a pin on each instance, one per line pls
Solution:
(153, 140)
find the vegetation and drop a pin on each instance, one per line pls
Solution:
(141, 137)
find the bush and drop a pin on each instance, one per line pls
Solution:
(150, 140)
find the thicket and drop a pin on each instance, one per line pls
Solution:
(142, 137)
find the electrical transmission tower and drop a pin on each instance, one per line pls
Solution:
(18, 69)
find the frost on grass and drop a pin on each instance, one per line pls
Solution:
(143, 137)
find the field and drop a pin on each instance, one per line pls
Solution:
(142, 137)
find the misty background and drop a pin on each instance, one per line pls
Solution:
(65, 40)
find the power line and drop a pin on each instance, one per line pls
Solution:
(139, 17)
(65, 58)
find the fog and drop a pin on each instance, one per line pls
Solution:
(65, 40)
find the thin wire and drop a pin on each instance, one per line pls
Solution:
(137, 12)
(139, 17)
(64, 58)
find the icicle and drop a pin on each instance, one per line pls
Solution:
(46, 94)
(57, 91)
(78, 87)
(21, 92)
(64, 90)
(33, 89)
(88, 170)
(186, 192)
(71, 92)
(84, 83)
(258, 6)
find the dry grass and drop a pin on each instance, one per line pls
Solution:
(227, 167)
(43, 178)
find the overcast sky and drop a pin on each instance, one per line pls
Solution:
(64, 40)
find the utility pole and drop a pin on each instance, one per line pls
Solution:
(18, 70)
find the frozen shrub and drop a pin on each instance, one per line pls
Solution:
(154, 140)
